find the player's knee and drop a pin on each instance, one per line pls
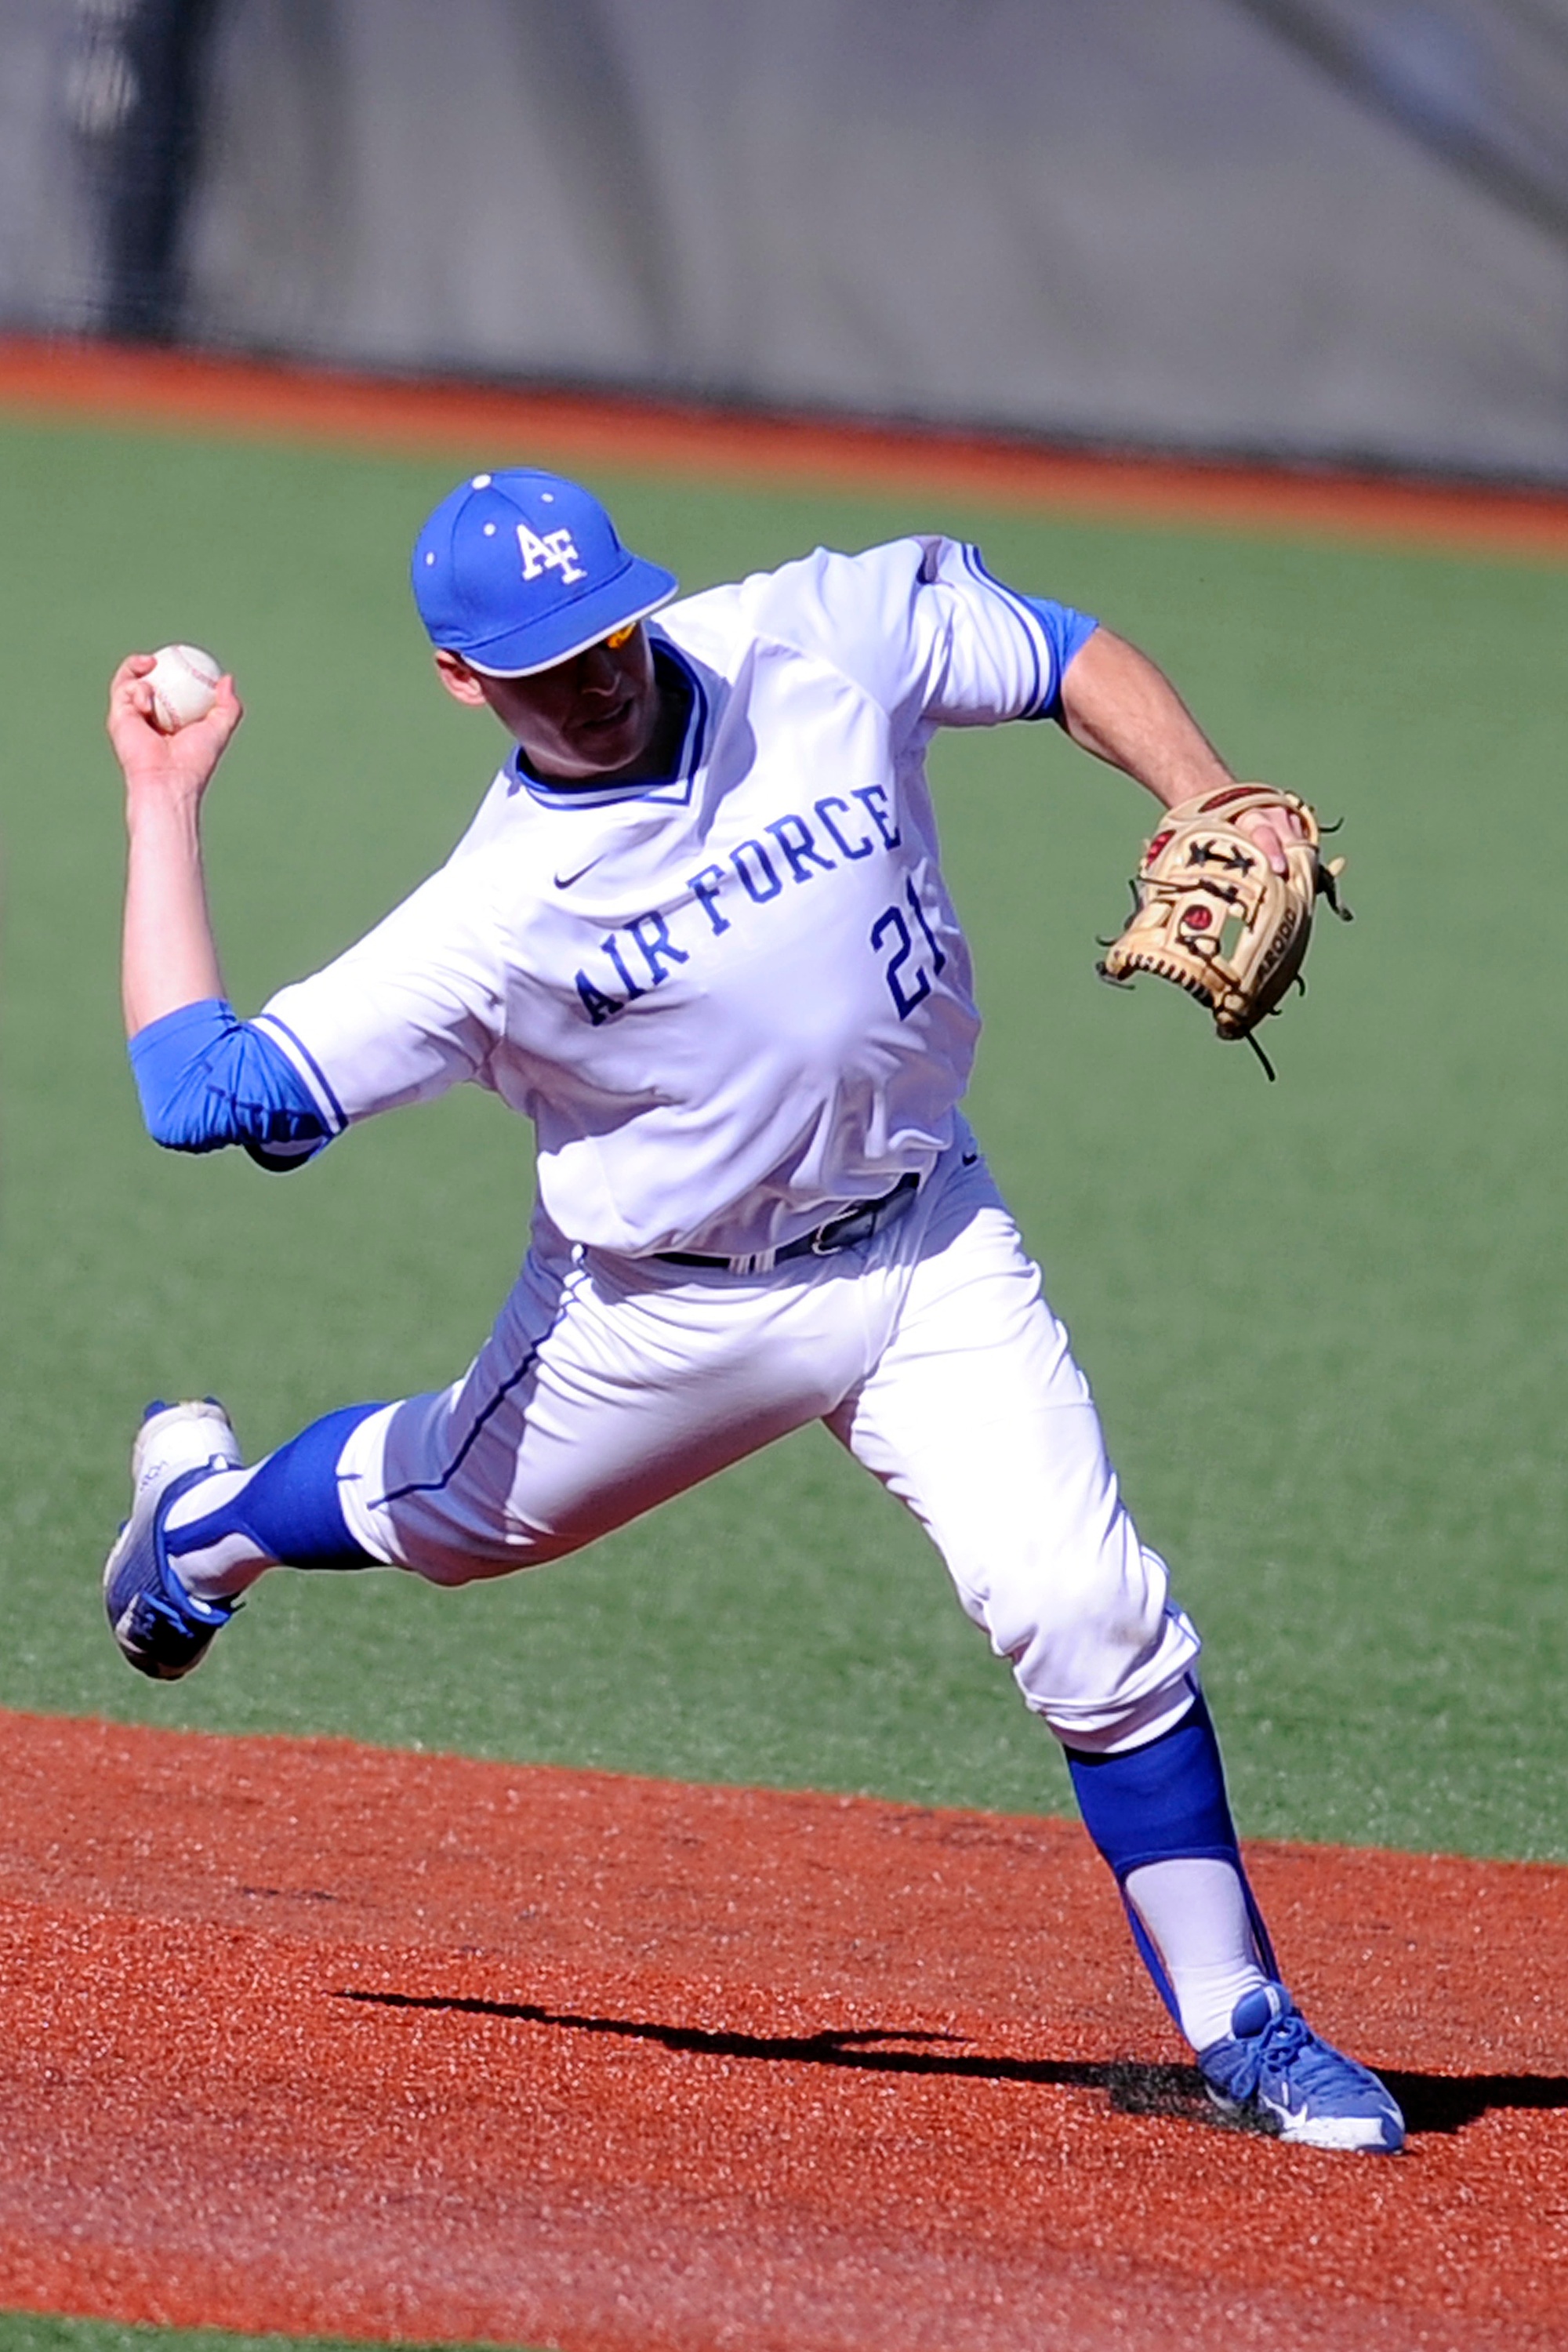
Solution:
(450, 1556)
(1080, 1628)
(1110, 1597)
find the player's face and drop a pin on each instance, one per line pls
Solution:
(593, 717)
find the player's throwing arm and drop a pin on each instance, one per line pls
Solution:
(167, 759)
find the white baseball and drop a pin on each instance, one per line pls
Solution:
(184, 681)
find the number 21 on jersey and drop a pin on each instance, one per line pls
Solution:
(907, 986)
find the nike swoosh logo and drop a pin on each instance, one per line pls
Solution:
(969, 1159)
(565, 881)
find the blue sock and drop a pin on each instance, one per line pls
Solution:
(289, 1508)
(1163, 1802)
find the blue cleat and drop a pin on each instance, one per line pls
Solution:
(1274, 2072)
(160, 1628)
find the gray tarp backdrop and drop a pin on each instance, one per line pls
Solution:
(1322, 228)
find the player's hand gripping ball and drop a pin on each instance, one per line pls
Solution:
(184, 683)
(1211, 914)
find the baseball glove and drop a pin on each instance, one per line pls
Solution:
(1210, 913)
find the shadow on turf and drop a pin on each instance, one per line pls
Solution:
(1431, 2103)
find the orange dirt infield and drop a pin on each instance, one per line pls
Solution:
(305, 2036)
(63, 380)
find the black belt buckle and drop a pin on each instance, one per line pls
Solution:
(828, 1240)
(859, 1225)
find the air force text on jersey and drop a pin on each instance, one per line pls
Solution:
(756, 870)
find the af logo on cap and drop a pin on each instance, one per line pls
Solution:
(556, 551)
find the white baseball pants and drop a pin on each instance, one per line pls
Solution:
(610, 1384)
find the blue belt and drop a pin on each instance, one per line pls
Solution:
(857, 1225)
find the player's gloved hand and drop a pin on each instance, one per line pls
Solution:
(1271, 828)
(1224, 900)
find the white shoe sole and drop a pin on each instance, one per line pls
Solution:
(1342, 2135)
(1346, 2135)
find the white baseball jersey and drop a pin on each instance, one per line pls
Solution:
(736, 1000)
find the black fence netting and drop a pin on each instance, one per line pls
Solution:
(1310, 228)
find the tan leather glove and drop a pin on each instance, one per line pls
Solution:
(1212, 915)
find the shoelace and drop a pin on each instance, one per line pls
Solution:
(1280, 2044)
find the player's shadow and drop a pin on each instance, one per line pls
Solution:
(1431, 2103)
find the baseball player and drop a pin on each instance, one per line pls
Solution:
(698, 934)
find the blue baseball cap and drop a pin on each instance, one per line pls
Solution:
(522, 570)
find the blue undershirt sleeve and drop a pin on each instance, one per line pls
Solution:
(1066, 631)
(206, 1079)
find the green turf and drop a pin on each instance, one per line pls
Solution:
(1324, 1318)
(28, 2331)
